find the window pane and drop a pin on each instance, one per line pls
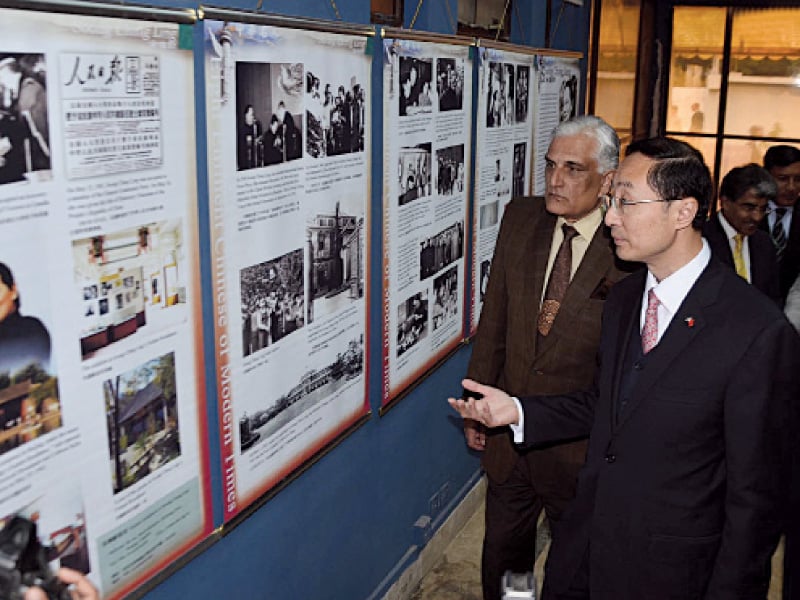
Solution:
(764, 73)
(616, 63)
(736, 153)
(694, 77)
(705, 145)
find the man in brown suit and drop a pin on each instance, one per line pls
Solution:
(552, 353)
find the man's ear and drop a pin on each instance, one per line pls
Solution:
(608, 179)
(687, 211)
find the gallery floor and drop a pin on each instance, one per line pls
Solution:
(456, 574)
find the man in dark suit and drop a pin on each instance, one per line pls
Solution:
(681, 494)
(511, 350)
(733, 233)
(783, 163)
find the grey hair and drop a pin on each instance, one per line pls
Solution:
(595, 127)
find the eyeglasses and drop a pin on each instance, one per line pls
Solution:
(610, 201)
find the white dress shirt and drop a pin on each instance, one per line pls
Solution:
(787, 217)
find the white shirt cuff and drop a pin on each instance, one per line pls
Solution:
(518, 430)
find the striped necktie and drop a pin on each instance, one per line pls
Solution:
(778, 232)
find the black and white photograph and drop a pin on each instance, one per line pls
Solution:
(523, 82)
(142, 420)
(24, 129)
(567, 99)
(416, 85)
(335, 115)
(314, 386)
(414, 172)
(502, 173)
(336, 254)
(269, 113)
(412, 321)
(483, 283)
(450, 170)
(273, 301)
(488, 214)
(445, 297)
(495, 95)
(518, 170)
(441, 250)
(450, 83)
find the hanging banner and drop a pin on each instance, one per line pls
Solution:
(504, 136)
(289, 133)
(557, 93)
(102, 391)
(427, 120)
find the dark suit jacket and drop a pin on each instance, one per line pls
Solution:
(680, 495)
(789, 265)
(505, 352)
(763, 260)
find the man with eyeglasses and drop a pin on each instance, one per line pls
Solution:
(691, 415)
(733, 233)
(539, 330)
(783, 224)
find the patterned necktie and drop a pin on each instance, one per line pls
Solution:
(650, 329)
(738, 256)
(778, 232)
(558, 283)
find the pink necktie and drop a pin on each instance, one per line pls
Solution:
(650, 329)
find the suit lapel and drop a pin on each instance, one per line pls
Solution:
(593, 268)
(688, 322)
(535, 253)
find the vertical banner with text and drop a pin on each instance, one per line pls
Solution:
(289, 134)
(102, 393)
(427, 122)
(504, 137)
(556, 92)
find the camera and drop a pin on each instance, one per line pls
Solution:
(23, 563)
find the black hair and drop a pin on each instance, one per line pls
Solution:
(678, 172)
(7, 277)
(738, 181)
(781, 156)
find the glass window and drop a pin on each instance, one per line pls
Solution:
(616, 64)
(697, 49)
(764, 74)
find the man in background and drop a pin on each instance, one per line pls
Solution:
(553, 258)
(783, 163)
(733, 233)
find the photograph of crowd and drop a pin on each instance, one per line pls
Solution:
(142, 420)
(274, 89)
(314, 385)
(416, 87)
(450, 170)
(500, 95)
(440, 250)
(412, 321)
(523, 79)
(273, 304)
(414, 172)
(335, 117)
(24, 131)
(518, 170)
(445, 293)
(450, 83)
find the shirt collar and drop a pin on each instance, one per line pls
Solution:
(728, 228)
(789, 209)
(587, 224)
(672, 290)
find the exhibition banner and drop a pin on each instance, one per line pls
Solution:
(288, 118)
(102, 393)
(556, 91)
(504, 138)
(427, 121)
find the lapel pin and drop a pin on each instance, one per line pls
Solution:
(689, 321)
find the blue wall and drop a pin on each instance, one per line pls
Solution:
(344, 529)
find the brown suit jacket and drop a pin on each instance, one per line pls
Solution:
(504, 353)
